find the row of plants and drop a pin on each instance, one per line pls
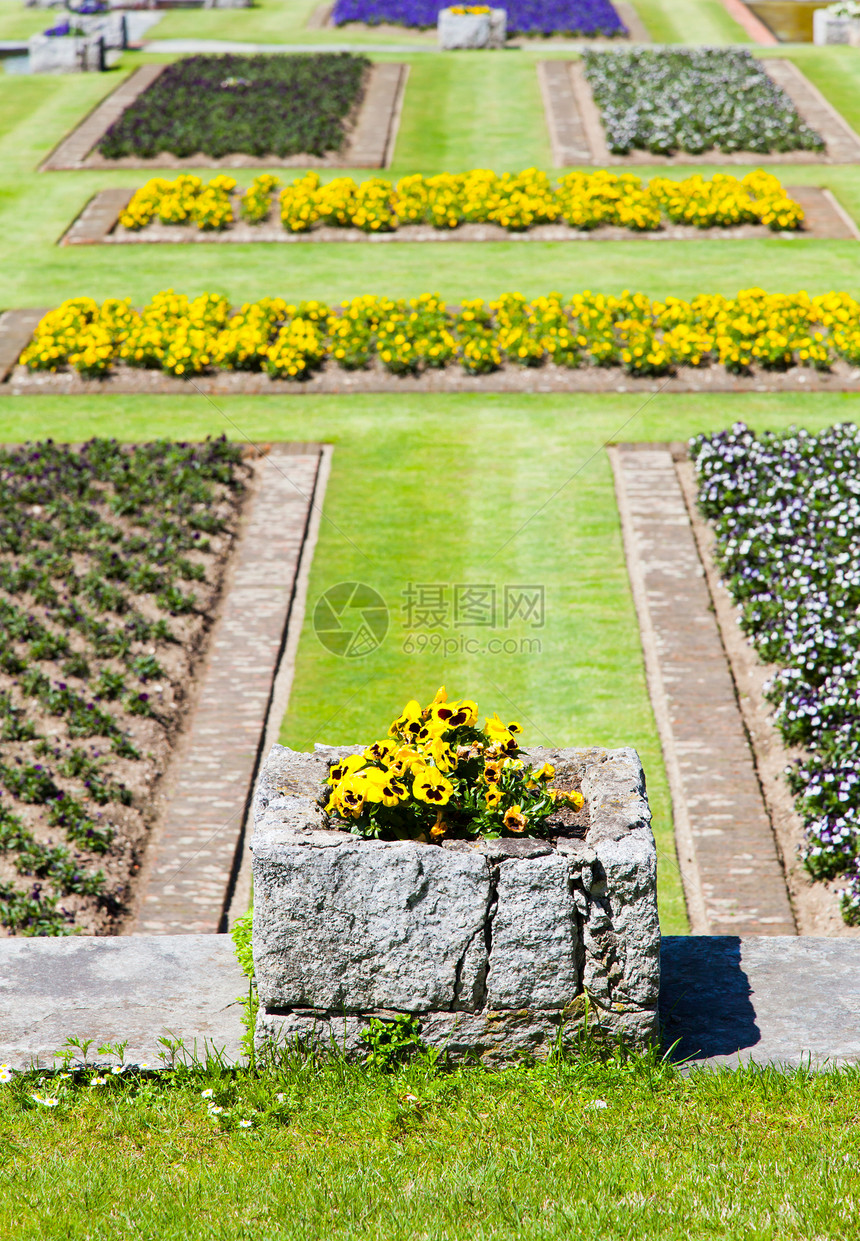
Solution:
(266, 105)
(785, 508)
(697, 99)
(104, 553)
(515, 201)
(530, 17)
(437, 774)
(184, 336)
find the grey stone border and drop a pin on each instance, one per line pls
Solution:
(578, 137)
(98, 225)
(194, 852)
(370, 143)
(727, 852)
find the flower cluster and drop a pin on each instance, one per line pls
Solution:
(267, 105)
(437, 774)
(187, 200)
(516, 201)
(531, 17)
(786, 511)
(185, 336)
(99, 551)
(697, 99)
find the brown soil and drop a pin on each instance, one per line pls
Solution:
(332, 379)
(155, 737)
(815, 904)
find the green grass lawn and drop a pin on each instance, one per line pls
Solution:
(690, 21)
(444, 127)
(581, 1148)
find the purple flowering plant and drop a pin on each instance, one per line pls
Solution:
(530, 17)
(263, 105)
(785, 508)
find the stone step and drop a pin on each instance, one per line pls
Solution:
(725, 1000)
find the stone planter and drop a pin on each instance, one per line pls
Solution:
(826, 28)
(471, 30)
(66, 53)
(112, 27)
(494, 945)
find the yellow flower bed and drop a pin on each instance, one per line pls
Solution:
(185, 336)
(516, 201)
(437, 774)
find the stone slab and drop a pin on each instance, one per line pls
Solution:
(137, 988)
(725, 1000)
(733, 878)
(728, 1000)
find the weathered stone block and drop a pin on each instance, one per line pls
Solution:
(66, 53)
(498, 946)
(472, 30)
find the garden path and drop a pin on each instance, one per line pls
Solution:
(733, 878)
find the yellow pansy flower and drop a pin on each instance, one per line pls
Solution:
(515, 820)
(431, 786)
(404, 760)
(409, 722)
(345, 767)
(381, 751)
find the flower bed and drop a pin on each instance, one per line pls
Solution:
(253, 105)
(531, 17)
(109, 561)
(185, 336)
(787, 520)
(516, 201)
(693, 100)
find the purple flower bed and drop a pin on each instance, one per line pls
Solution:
(254, 105)
(785, 508)
(539, 17)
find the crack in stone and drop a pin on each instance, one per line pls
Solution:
(580, 918)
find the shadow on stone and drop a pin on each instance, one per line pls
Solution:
(705, 1003)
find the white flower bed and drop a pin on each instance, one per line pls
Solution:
(786, 512)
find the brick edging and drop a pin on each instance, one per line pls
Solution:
(748, 21)
(733, 878)
(73, 151)
(192, 856)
